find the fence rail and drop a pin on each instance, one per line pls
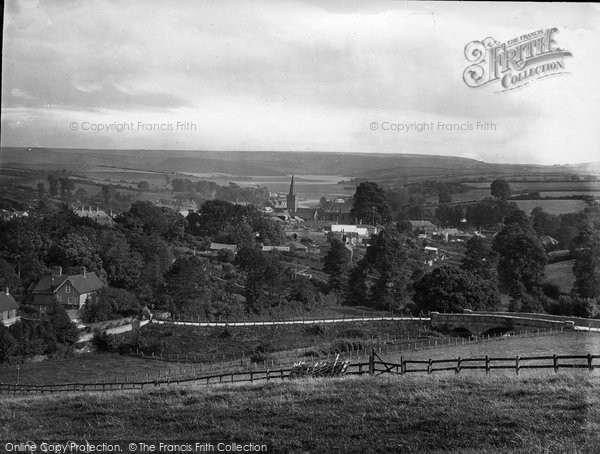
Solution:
(375, 366)
(357, 348)
(197, 321)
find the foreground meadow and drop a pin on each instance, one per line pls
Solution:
(535, 412)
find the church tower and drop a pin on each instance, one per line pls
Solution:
(292, 201)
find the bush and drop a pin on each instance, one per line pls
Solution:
(574, 306)
(316, 330)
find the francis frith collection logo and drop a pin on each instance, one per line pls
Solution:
(516, 62)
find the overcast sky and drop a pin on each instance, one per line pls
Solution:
(293, 75)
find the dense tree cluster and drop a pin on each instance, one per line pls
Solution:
(384, 276)
(451, 289)
(148, 257)
(205, 190)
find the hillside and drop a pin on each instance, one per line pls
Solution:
(536, 412)
(248, 163)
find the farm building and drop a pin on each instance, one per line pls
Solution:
(8, 308)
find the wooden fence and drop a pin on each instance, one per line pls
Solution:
(456, 365)
(375, 366)
(356, 348)
(260, 321)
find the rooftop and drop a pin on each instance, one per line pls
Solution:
(7, 302)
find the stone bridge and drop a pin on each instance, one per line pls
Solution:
(483, 324)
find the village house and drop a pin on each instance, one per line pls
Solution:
(71, 291)
(8, 309)
(424, 227)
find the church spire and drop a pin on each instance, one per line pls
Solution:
(292, 189)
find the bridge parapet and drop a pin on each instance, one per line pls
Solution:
(478, 324)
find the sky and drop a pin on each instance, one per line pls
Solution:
(329, 76)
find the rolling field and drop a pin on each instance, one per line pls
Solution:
(552, 206)
(226, 344)
(90, 368)
(468, 414)
(525, 186)
(561, 274)
(569, 343)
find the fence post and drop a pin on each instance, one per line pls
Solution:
(458, 365)
(429, 366)
(402, 365)
(589, 360)
(517, 365)
(487, 364)
(372, 362)
(555, 363)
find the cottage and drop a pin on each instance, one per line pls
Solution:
(71, 291)
(8, 309)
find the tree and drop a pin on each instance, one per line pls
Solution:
(522, 260)
(81, 194)
(77, 250)
(500, 189)
(336, 265)
(269, 232)
(52, 185)
(41, 190)
(10, 279)
(450, 289)
(480, 259)
(444, 195)
(586, 249)
(215, 216)
(143, 186)
(486, 214)
(264, 274)
(111, 303)
(450, 215)
(64, 328)
(66, 187)
(9, 347)
(544, 223)
(369, 204)
(383, 277)
(107, 193)
(122, 265)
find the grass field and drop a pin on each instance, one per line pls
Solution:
(90, 368)
(552, 206)
(561, 274)
(573, 343)
(471, 414)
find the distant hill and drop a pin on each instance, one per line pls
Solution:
(376, 166)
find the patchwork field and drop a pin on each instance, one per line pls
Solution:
(552, 206)
(467, 414)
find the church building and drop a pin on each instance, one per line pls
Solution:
(292, 200)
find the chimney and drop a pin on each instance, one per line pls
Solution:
(57, 271)
(7, 291)
(84, 271)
